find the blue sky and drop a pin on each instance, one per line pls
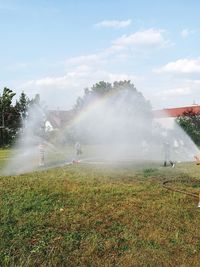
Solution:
(57, 48)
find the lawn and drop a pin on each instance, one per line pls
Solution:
(100, 215)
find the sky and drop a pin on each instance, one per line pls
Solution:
(58, 48)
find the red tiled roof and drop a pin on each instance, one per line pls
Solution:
(175, 112)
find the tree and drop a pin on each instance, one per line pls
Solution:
(9, 119)
(125, 113)
(12, 116)
(190, 123)
(35, 101)
(102, 89)
(5, 102)
(22, 105)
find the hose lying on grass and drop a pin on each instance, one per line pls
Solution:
(168, 187)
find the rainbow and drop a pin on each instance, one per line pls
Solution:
(86, 111)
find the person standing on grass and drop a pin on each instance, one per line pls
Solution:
(41, 154)
(167, 155)
(78, 150)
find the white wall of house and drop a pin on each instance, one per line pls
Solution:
(167, 122)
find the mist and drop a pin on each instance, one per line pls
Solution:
(119, 127)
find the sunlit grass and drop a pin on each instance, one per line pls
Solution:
(103, 215)
(4, 155)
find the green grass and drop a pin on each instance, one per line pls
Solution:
(103, 215)
(4, 155)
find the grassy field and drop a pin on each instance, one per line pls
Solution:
(4, 155)
(100, 215)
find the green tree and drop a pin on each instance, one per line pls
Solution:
(12, 116)
(102, 89)
(9, 117)
(22, 105)
(35, 101)
(122, 101)
(190, 123)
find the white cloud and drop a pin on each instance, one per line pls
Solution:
(63, 90)
(182, 95)
(150, 37)
(142, 39)
(114, 24)
(186, 66)
(186, 32)
(78, 78)
(85, 70)
(181, 91)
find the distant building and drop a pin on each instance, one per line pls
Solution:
(59, 118)
(175, 112)
(166, 117)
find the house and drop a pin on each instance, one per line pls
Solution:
(59, 118)
(175, 112)
(166, 117)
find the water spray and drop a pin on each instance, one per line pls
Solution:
(117, 127)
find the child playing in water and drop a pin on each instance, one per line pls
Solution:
(167, 155)
(78, 152)
(41, 154)
(78, 149)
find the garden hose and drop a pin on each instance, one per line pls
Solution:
(168, 187)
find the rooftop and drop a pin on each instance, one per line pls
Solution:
(175, 112)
